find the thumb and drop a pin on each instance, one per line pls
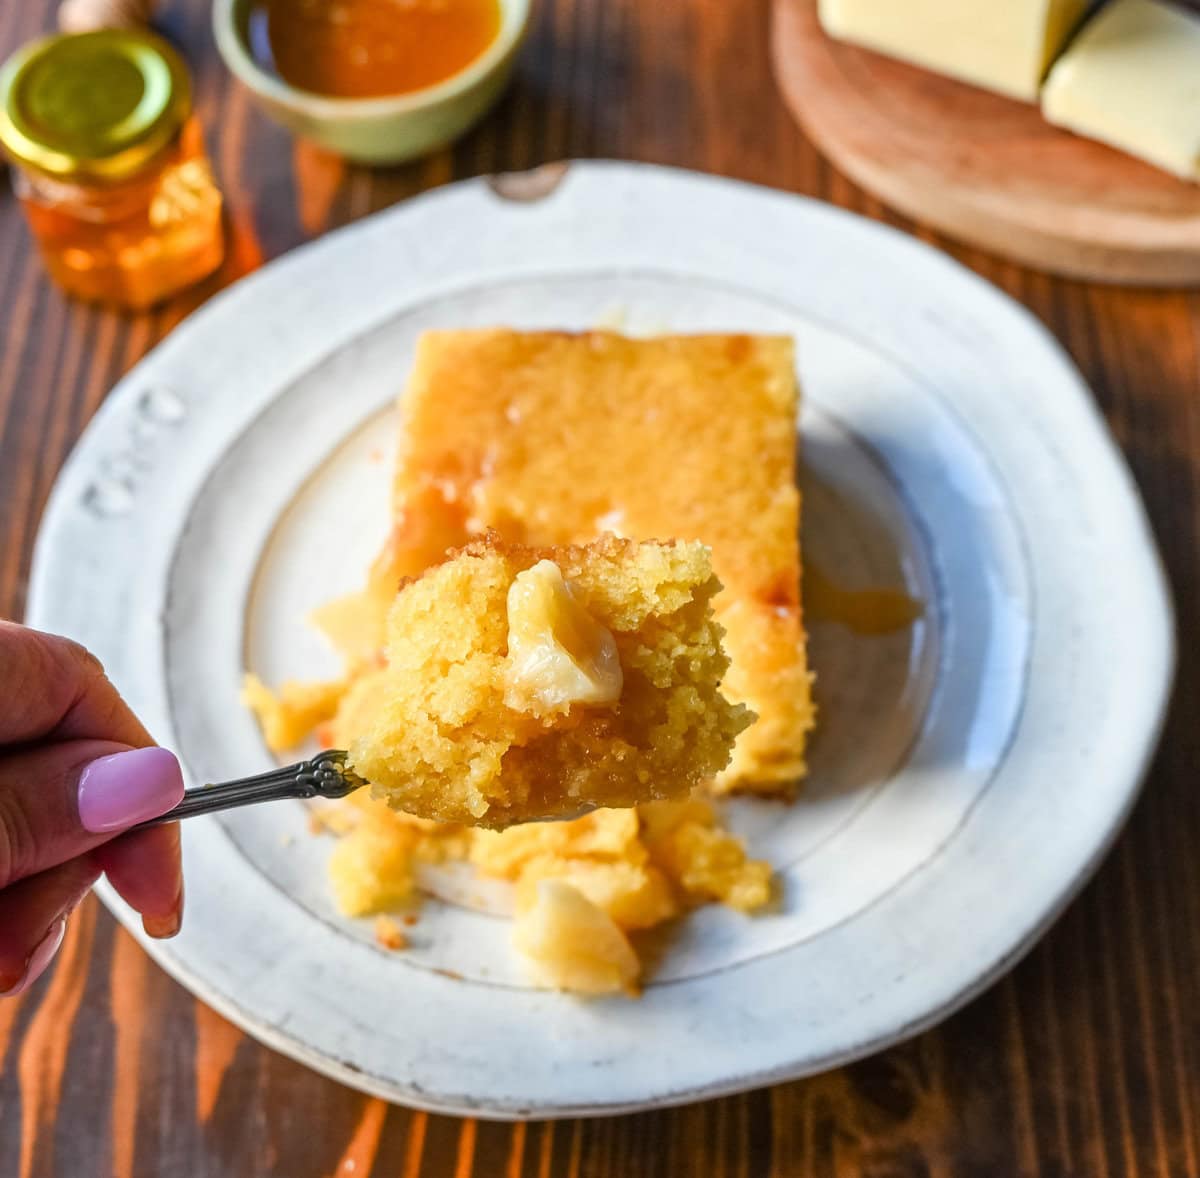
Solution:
(59, 801)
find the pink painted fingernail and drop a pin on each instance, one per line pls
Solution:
(39, 958)
(127, 788)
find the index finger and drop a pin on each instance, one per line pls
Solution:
(53, 687)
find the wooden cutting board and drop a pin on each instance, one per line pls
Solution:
(984, 168)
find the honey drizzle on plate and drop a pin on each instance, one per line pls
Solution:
(370, 48)
(864, 611)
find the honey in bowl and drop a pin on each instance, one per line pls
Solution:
(370, 48)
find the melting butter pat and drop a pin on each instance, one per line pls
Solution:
(558, 653)
(1132, 80)
(571, 944)
(1002, 45)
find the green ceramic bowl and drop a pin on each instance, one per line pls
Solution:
(377, 130)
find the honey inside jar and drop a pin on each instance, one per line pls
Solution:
(110, 167)
(135, 243)
(370, 48)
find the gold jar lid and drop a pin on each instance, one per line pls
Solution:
(92, 106)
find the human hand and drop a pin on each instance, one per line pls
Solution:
(76, 770)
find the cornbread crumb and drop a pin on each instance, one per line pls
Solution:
(703, 860)
(288, 716)
(602, 834)
(638, 868)
(526, 683)
(389, 934)
(571, 944)
(331, 818)
(634, 895)
(371, 869)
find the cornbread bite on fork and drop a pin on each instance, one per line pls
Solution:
(524, 683)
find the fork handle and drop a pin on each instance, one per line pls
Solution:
(324, 776)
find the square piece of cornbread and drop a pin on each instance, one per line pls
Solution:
(527, 683)
(556, 438)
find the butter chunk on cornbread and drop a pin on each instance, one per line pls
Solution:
(525, 683)
(572, 944)
(554, 438)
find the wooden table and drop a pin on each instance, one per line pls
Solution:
(1085, 1061)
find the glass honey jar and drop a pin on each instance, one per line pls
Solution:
(109, 165)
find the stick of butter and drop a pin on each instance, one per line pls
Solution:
(1132, 79)
(1003, 45)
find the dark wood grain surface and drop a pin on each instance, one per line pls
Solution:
(1085, 1061)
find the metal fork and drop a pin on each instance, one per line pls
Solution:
(323, 776)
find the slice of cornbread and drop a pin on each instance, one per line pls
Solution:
(554, 438)
(525, 683)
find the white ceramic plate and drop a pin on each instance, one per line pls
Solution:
(968, 774)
